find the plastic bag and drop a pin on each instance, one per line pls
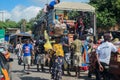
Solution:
(47, 46)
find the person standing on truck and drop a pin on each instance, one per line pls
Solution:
(52, 3)
(77, 56)
(103, 57)
(80, 27)
(50, 6)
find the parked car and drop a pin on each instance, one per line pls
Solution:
(5, 73)
(5, 52)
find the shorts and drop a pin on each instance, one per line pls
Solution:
(41, 59)
(27, 60)
(77, 60)
(67, 58)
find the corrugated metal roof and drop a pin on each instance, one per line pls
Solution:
(74, 6)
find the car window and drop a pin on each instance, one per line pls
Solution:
(2, 49)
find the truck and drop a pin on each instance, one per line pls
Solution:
(66, 10)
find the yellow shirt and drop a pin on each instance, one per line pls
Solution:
(58, 49)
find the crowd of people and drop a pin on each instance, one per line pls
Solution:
(62, 55)
(68, 56)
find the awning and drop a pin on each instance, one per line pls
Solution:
(74, 6)
(22, 34)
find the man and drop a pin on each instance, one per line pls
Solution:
(41, 54)
(58, 59)
(103, 56)
(52, 3)
(18, 51)
(27, 51)
(80, 26)
(65, 43)
(77, 56)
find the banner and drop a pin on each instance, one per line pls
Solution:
(2, 35)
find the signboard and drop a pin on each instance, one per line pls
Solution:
(2, 35)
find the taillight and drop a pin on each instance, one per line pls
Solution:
(2, 77)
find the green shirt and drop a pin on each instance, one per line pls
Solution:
(77, 44)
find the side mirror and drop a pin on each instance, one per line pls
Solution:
(10, 60)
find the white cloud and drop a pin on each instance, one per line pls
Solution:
(21, 12)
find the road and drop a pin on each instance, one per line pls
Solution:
(18, 74)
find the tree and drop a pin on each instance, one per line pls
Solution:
(39, 14)
(8, 24)
(11, 24)
(3, 25)
(107, 12)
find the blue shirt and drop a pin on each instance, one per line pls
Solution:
(27, 49)
(52, 3)
(64, 40)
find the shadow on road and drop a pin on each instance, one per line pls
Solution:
(32, 78)
(17, 71)
(86, 78)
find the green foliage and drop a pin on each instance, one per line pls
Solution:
(26, 24)
(39, 14)
(11, 24)
(8, 24)
(73, 14)
(107, 12)
(3, 25)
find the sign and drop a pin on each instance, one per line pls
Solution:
(2, 35)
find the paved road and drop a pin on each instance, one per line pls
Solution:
(18, 74)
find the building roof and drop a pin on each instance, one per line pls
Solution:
(22, 34)
(74, 6)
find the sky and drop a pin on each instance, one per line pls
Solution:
(24, 9)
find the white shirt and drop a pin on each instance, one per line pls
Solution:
(104, 51)
(90, 31)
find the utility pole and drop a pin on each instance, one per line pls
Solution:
(2, 15)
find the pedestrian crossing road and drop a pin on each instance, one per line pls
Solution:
(18, 74)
